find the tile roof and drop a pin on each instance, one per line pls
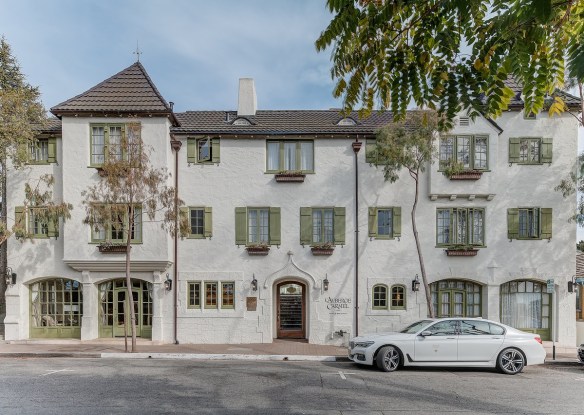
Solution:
(570, 100)
(279, 122)
(128, 91)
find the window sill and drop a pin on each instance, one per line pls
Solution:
(258, 250)
(290, 177)
(467, 175)
(112, 248)
(461, 252)
(316, 250)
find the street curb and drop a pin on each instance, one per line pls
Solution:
(206, 356)
(49, 355)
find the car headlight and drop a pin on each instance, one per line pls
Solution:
(363, 344)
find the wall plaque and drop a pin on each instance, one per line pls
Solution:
(252, 303)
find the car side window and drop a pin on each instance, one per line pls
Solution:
(474, 327)
(497, 330)
(444, 328)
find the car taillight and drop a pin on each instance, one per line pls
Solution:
(538, 339)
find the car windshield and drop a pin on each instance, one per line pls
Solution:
(414, 328)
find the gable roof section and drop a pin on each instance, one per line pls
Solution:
(128, 91)
(516, 102)
(279, 122)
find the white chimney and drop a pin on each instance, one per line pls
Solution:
(247, 104)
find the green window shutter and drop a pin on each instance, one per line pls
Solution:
(546, 150)
(275, 225)
(546, 223)
(372, 222)
(514, 149)
(215, 149)
(305, 225)
(513, 223)
(240, 225)
(208, 222)
(52, 150)
(20, 221)
(339, 225)
(371, 151)
(53, 228)
(191, 150)
(396, 222)
(184, 215)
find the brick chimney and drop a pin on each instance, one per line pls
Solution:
(247, 103)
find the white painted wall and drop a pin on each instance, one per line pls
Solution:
(240, 180)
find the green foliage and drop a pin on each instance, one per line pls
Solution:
(574, 184)
(39, 200)
(580, 246)
(21, 111)
(391, 53)
(407, 144)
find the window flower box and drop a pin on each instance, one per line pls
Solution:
(325, 249)
(461, 251)
(467, 175)
(108, 248)
(257, 249)
(290, 177)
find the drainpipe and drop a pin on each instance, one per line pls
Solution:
(356, 147)
(176, 145)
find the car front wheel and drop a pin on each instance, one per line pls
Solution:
(388, 359)
(511, 361)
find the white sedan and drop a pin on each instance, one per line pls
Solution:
(465, 342)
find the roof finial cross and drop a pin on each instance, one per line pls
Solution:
(138, 52)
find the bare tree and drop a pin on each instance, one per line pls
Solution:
(128, 187)
(409, 144)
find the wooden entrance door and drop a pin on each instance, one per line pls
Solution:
(291, 310)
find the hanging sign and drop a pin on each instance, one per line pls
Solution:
(550, 286)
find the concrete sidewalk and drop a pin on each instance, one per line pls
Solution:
(284, 350)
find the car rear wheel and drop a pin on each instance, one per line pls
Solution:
(511, 361)
(388, 358)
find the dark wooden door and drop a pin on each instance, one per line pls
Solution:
(291, 306)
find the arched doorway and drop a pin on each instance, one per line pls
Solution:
(291, 310)
(114, 308)
(56, 309)
(526, 305)
(456, 298)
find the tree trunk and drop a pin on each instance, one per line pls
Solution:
(128, 279)
(419, 248)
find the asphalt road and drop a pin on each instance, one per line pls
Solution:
(130, 386)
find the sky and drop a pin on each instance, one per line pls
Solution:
(195, 51)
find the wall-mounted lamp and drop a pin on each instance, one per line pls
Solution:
(168, 283)
(416, 284)
(325, 283)
(10, 276)
(574, 282)
(254, 283)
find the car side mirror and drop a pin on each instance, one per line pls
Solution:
(426, 333)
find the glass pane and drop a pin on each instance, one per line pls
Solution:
(307, 155)
(328, 226)
(252, 221)
(463, 151)
(443, 226)
(273, 156)
(115, 143)
(197, 217)
(205, 149)
(480, 156)
(264, 226)
(384, 222)
(446, 149)
(97, 145)
(290, 156)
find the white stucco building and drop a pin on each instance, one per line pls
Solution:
(294, 232)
